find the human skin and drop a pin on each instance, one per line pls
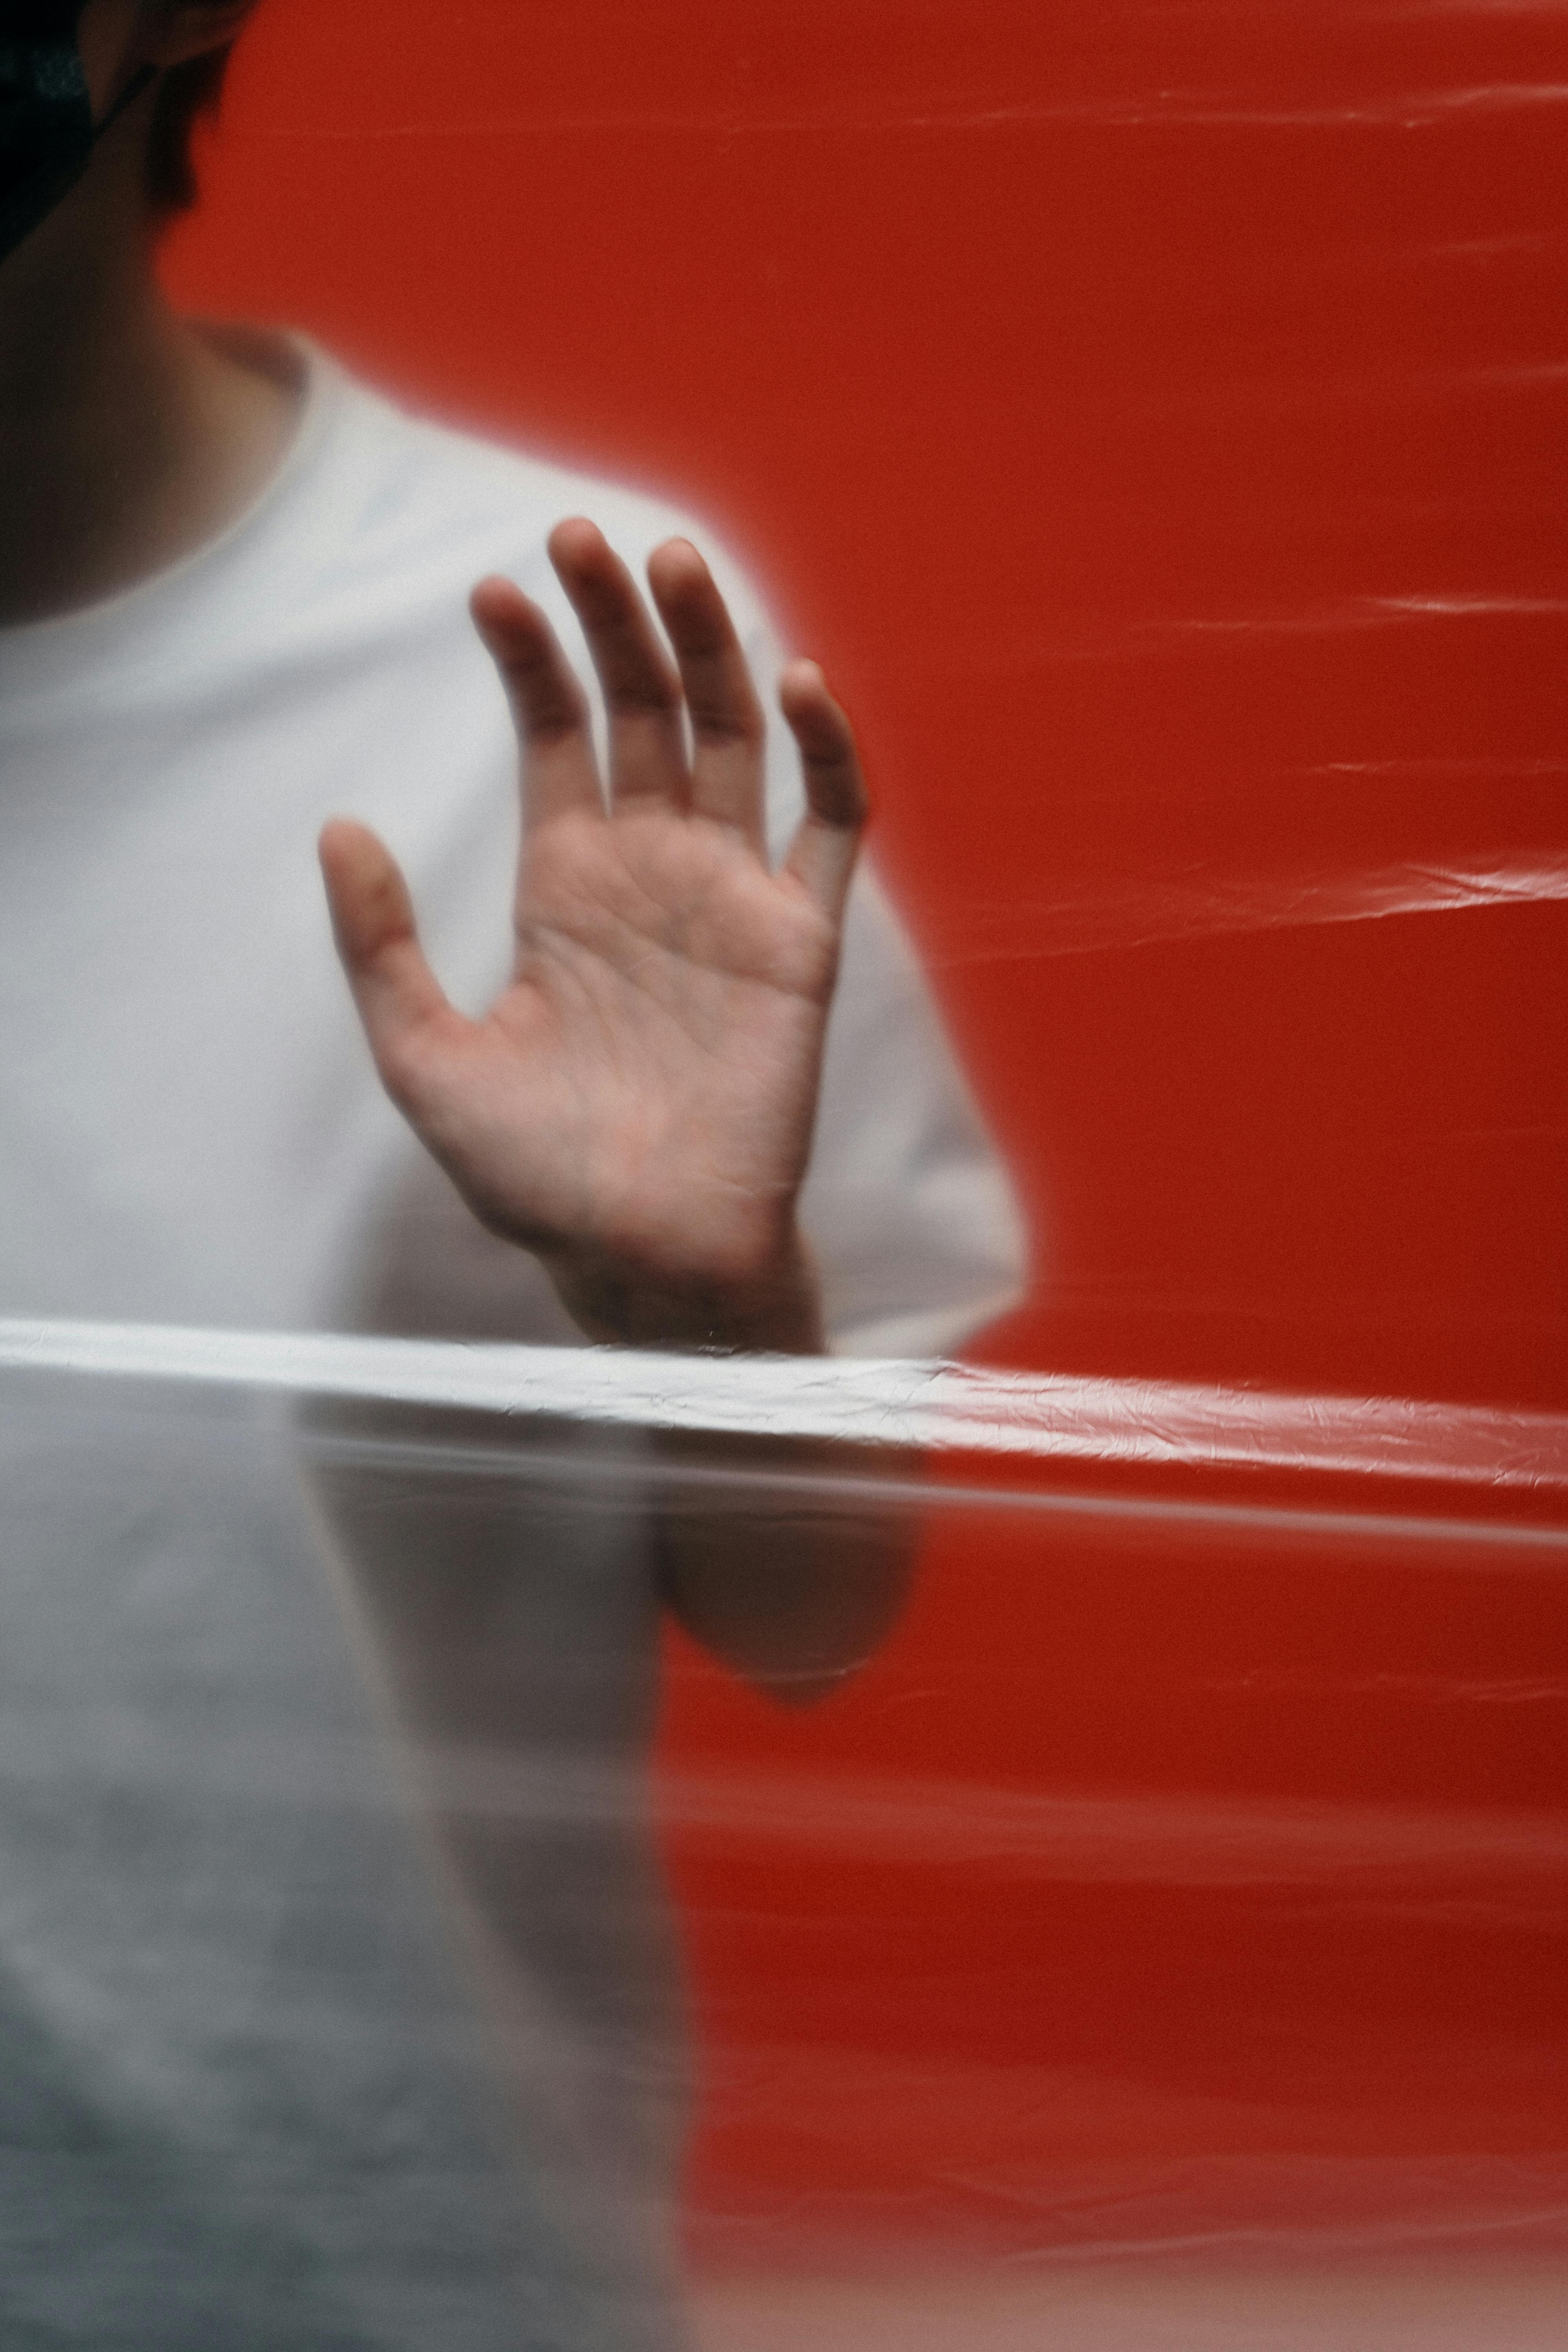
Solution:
(127, 438)
(636, 1108)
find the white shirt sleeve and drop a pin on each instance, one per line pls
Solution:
(914, 1222)
(907, 1205)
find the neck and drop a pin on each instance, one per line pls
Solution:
(127, 437)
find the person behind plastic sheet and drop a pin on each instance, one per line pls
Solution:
(244, 2101)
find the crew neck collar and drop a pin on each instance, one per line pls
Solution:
(68, 651)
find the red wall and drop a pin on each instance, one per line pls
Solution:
(1154, 417)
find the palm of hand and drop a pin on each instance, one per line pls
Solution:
(648, 1076)
(637, 1105)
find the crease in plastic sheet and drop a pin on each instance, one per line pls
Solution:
(1205, 902)
(940, 1409)
(1195, 109)
(1054, 636)
(1490, 1858)
(1288, 2207)
(1378, 612)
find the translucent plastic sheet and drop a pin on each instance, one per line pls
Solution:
(1153, 416)
(512, 1843)
(1381, 1445)
(1160, 1940)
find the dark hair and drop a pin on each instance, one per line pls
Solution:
(186, 93)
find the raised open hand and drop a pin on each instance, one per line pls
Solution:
(637, 1106)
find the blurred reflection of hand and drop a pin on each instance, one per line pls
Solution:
(637, 1106)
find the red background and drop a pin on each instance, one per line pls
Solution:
(1154, 416)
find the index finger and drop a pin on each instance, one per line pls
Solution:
(548, 708)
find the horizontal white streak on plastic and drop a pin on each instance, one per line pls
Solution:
(1195, 109)
(847, 1495)
(937, 1409)
(1135, 1839)
(1494, 769)
(1093, 640)
(703, 1486)
(1088, 1838)
(1055, 637)
(1160, 909)
(1266, 2252)
(1362, 612)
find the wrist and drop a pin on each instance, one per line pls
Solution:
(774, 1307)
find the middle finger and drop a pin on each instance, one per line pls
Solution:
(641, 689)
(729, 733)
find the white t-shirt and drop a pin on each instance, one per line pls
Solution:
(243, 2090)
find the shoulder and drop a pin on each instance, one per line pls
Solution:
(421, 498)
